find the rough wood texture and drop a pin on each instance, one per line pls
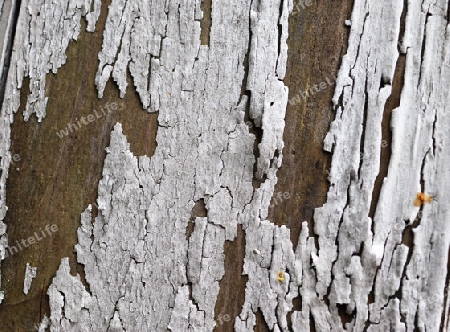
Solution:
(153, 250)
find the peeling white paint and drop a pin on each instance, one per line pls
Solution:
(398, 274)
(7, 9)
(144, 274)
(44, 30)
(205, 151)
(30, 274)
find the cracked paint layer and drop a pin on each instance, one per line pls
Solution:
(357, 255)
(153, 277)
(205, 151)
(142, 271)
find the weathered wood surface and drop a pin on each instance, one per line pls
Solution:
(153, 246)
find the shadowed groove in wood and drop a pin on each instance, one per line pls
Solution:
(199, 210)
(58, 178)
(297, 304)
(391, 103)
(261, 325)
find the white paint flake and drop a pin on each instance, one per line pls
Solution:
(43, 326)
(30, 274)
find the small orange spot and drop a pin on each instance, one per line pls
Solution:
(281, 276)
(169, 93)
(422, 198)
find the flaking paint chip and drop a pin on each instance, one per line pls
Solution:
(30, 274)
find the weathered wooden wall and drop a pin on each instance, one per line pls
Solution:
(222, 181)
